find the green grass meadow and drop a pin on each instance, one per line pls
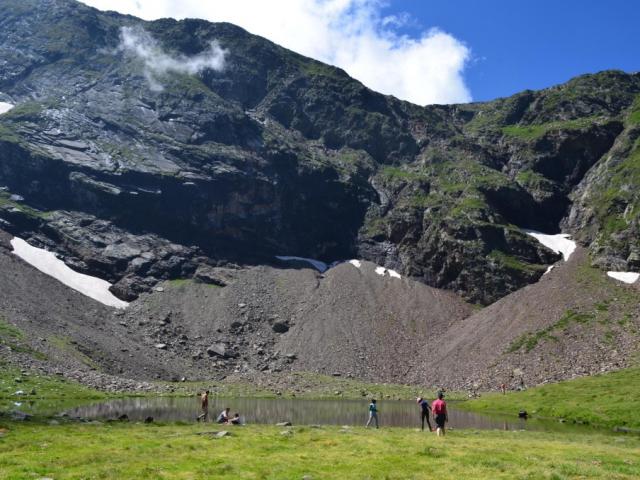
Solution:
(609, 400)
(138, 451)
(59, 448)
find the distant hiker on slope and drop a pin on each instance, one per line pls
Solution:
(439, 408)
(204, 406)
(373, 413)
(224, 416)
(425, 410)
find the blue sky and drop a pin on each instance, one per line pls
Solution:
(517, 45)
(484, 48)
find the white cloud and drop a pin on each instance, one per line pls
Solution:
(352, 34)
(140, 44)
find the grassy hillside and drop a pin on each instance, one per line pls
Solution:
(610, 400)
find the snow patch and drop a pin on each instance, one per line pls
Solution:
(323, 267)
(626, 277)
(317, 264)
(559, 243)
(5, 107)
(393, 273)
(549, 268)
(48, 263)
(383, 271)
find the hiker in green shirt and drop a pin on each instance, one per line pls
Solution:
(373, 413)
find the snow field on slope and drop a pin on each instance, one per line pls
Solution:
(48, 263)
(559, 243)
(626, 277)
(5, 107)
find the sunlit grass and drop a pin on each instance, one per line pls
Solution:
(123, 451)
(609, 400)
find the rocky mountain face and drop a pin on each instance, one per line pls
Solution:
(147, 151)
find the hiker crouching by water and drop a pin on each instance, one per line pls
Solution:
(439, 408)
(204, 406)
(224, 416)
(373, 413)
(424, 412)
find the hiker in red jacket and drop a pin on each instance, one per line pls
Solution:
(439, 409)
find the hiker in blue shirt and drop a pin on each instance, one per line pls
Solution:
(373, 413)
(424, 412)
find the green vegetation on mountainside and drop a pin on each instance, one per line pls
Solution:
(617, 201)
(532, 132)
(606, 400)
(7, 203)
(13, 338)
(610, 316)
(301, 139)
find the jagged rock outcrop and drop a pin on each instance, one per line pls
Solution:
(253, 151)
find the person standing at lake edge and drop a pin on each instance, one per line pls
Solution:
(373, 413)
(424, 412)
(439, 409)
(204, 406)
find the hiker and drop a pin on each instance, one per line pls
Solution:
(204, 406)
(424, 412)
(373, 413)
(503, 388)
(235, 420)
(439, 409)
(224, 416)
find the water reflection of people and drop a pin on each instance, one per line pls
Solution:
(204, 406)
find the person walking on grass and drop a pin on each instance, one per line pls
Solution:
(425, 411)
(204, 406)
(439, 409)
(373, 413)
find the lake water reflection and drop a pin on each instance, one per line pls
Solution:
(297, 411)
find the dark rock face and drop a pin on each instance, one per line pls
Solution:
(136, 180)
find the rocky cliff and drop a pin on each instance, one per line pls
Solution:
(143, 151)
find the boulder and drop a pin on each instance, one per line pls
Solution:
(20, 416)
(218, 349)
(213, 276)
(280, 327)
